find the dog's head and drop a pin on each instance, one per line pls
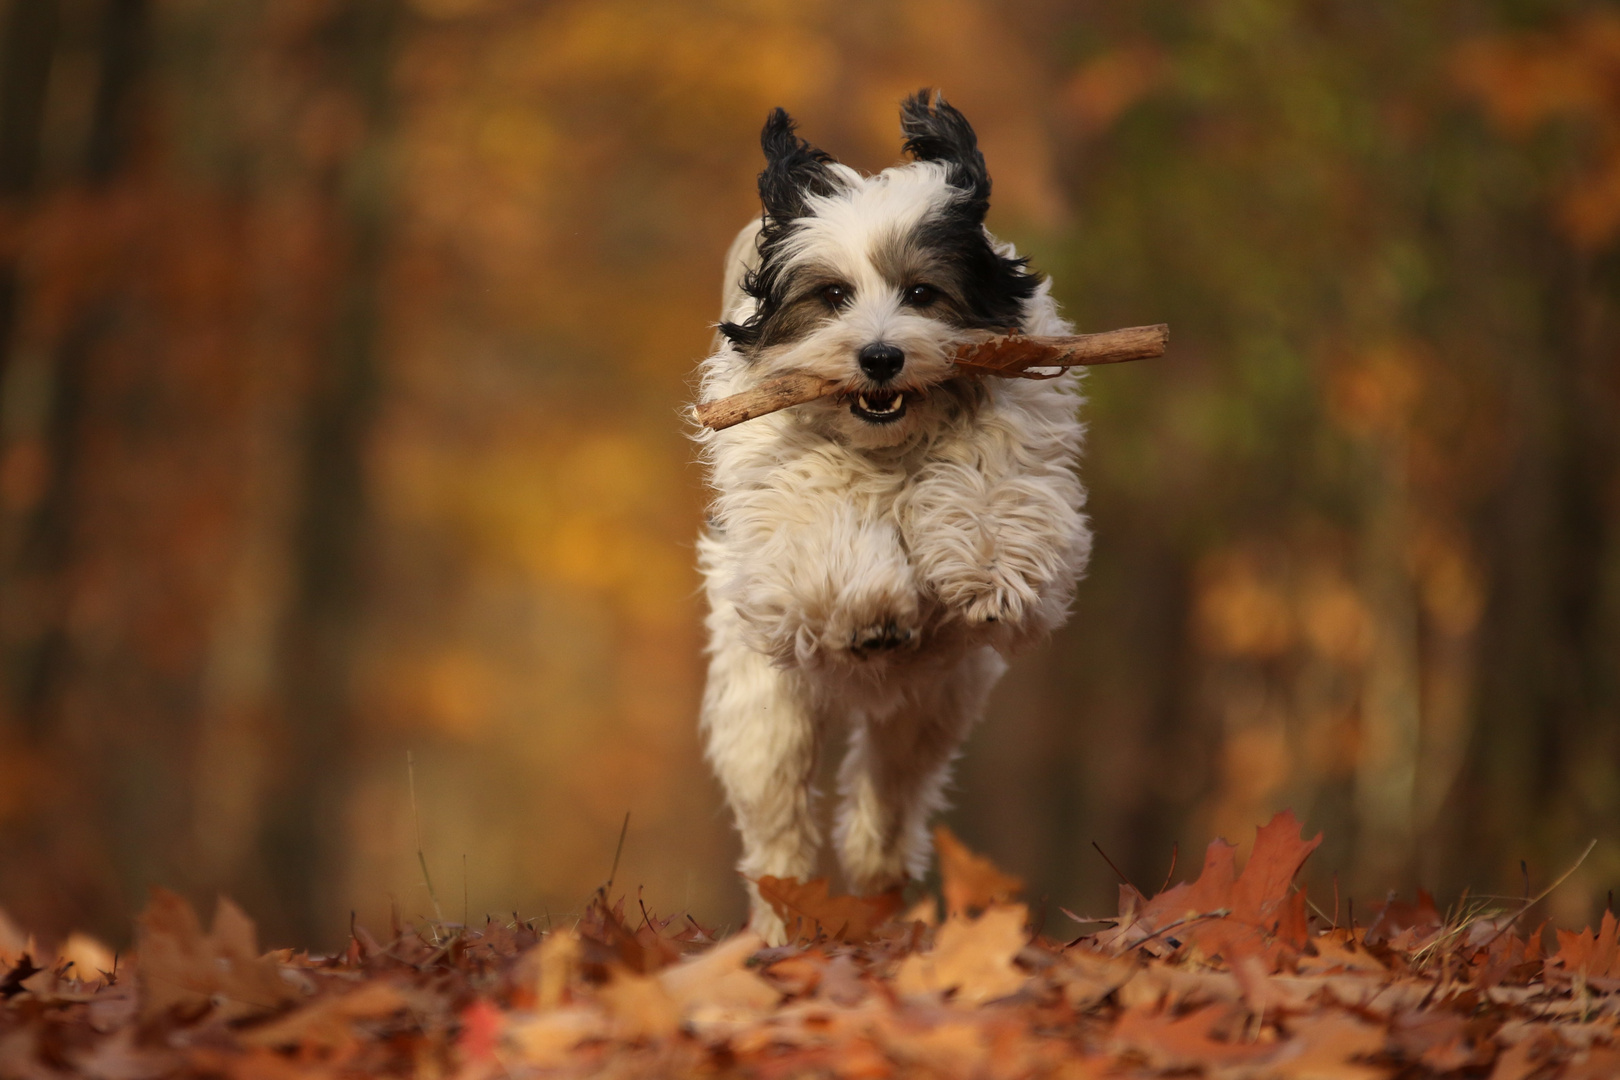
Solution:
(874, 280)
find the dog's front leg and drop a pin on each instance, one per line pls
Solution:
(817, 582)
(999, 548)
(761, 739)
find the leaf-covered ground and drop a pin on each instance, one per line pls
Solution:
(1232, 974)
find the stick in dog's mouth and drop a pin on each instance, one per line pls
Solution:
(1010, 356)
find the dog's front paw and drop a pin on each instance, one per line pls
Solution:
(989, 596)
(875, 622)
(881, 638)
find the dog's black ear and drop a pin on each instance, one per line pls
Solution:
(935, 131)
(793, 168)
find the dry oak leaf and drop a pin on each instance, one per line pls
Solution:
(181, 968)
(1263, 917)
(720, 978)
(551, 967)
(1588, 954)
(938, 1045)
(1527, 1056)
(639, 1007)
(548, 1038)
(1338, 951)
(1087, 977)
(971, 882)
(1184, 1042)
(806, 908)
(1395, 917)
(1324, 1046)
(328, 1022)
(973, 959)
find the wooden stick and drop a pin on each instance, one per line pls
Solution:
(1008, 356)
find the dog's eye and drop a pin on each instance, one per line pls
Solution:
(836, 295)
(919, 295)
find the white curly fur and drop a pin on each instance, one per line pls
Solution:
(871, 577)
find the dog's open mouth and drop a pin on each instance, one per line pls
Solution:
(879, 406)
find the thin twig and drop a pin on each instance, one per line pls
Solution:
(623, 829)
(1123, 879)
(1528, 904)
(1175, 849)
(416, 819)
(1218, 913)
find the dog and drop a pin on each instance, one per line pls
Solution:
(870, 559)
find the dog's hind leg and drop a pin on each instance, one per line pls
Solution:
(761, 739)
(893, 778)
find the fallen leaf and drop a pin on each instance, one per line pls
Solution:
(1337, 951)
(555, 963)
(1224, 913)
(640, 1007)
(808, 909)
(547, 1039)
(1087, 977)
(1397, 916)
(720, 978)
(973, 959)
(1325, 1048)
(329, 1022)
(1591, 954)
(89, 957)
(970, 881)
(183, 970)
(1525, 1057)
(1183, 1042)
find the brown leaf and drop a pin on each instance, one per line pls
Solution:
(328, 1023)
(184, 971)
(1088, 977)
(1262, 916)
(808, 909)
(1591, 954)
(973, 959)
(1396, 916)
(640, 1007)
(1337, 951)
(1526, 1057)
(971, 882)
(1325, 1047)
(720, 978)
(1172, 1042)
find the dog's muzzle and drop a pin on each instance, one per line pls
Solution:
(879, 406)
(881, 361)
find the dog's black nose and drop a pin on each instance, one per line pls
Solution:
(882, 361)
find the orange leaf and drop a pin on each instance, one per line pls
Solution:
(182, 968)
(1173, 1042)
(972, 959)
(971, 881)
(807, 908)
(1591, 954)
(1261, 915)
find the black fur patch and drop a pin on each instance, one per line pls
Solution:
(992, 289)
(981, 289)
(793, 169)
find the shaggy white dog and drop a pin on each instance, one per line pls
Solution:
(871, 557)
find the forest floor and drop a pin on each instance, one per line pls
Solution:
(1233, 974)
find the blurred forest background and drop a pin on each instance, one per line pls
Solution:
(343, 345)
